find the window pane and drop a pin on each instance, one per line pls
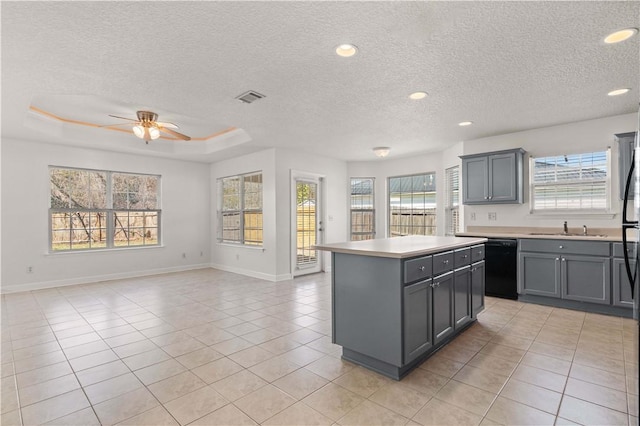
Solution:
(231, 194)
(412, 204)
(362, 209)
(571, 182)
(253, 192)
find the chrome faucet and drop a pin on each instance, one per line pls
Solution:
(566, 228)
(584, 230)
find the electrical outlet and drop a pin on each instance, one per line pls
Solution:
(472, 216)
(29, 269)
(493, 216)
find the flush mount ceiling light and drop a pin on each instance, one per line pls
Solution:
(346, 50)
(620, 35)
(418, 95)
(381, 151)
(618, 92)
(465, 123)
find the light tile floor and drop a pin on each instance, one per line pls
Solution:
(208, 347)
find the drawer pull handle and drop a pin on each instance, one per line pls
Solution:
(557, 258)
(560, 246)
(421, 268)
(564, 260)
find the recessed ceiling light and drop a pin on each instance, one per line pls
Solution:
(465, 123)
(346, 50)
(621, 35)
(418, 95)
(618, 92)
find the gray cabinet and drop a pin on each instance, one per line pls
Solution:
(571, 270)
(443, 324)
(477, 288)
(539, 274)
(493, 178)
(462, 296)
(417, 320)
(625, 159)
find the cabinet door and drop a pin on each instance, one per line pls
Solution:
(503, 180)
(621, 286)
(474, 180)
(462, 297)
(625, 158)
(417, 320)
(586, 278)
(539, 274)
(443, 324)
(477, 288)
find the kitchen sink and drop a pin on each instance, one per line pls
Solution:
(562, 234)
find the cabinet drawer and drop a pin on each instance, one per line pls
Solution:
(590, 248)
(461, 257)
(477, 253)
(617, 249)
(442, 262)
(417, 269)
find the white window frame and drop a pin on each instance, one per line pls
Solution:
(451, 208)
(241, 211)
(111, 214)
(603, 212)
(372, 210)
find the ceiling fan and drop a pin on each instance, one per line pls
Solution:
(148, 127)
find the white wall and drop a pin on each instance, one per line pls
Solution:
(381, 169)
(257, 262)
(25, 203)
(584, 136)
(335, 196)
(273, 260)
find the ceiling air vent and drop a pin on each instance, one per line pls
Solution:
(250, 96)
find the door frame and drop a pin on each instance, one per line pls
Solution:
(297, 175)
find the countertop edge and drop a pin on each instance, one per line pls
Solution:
(408, 254)
(609, 239)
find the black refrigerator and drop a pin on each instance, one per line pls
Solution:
(630, 223)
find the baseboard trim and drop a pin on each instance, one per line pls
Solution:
(250, 273)
(97, 278)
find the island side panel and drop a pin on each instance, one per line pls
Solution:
(367, 305)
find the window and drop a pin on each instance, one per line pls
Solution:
(362, 212)
(452, 197)
(99, 209)
(412, 205)
(573, 182)
(240, 214)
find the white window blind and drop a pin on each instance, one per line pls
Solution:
(572, 182)
(452, 199)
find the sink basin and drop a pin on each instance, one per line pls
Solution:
(562, 234)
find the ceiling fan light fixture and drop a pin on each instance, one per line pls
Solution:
(138, 130)
(154, 133)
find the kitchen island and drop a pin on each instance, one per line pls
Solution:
(398, 300)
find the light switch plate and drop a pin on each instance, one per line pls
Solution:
(493, 216)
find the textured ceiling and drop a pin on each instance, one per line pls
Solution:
(506, 66)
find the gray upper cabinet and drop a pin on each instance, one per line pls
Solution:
(493, 178)
(625, 159)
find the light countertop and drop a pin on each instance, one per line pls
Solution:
(401, 247)
(599, 234)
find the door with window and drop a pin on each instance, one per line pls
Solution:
(307, 227)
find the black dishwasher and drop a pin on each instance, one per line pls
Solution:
(501, 274)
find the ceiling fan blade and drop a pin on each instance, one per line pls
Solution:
(117, 125)
(174, 133)
(123, 118)
(166, 124)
